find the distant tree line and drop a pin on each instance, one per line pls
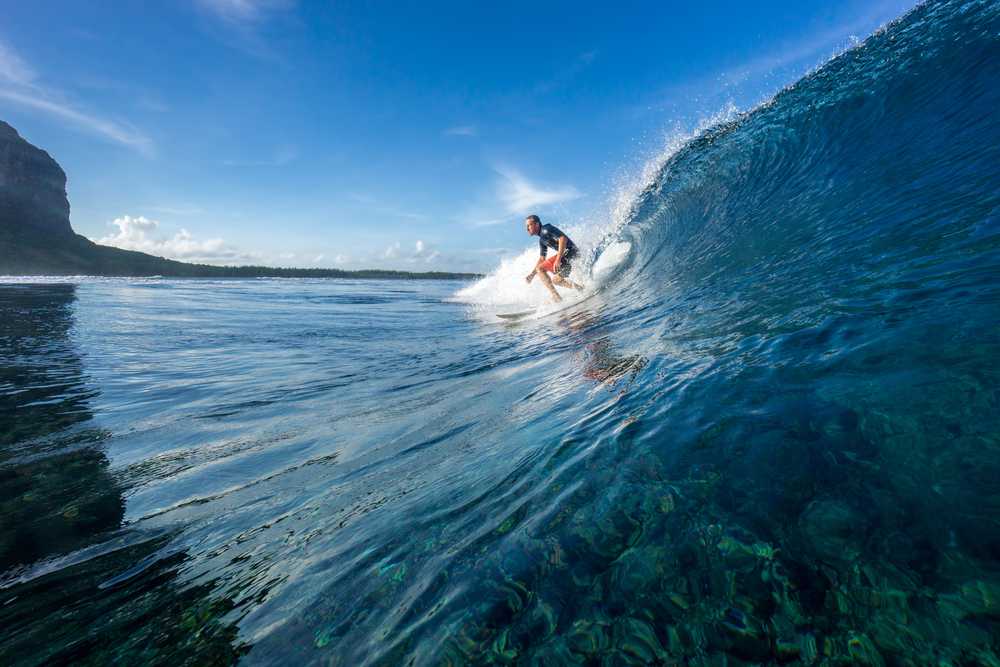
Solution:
(25, 251)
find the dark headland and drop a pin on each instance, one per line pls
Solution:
(36, 237)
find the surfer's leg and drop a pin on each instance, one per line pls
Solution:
(565, 282)
(562, 277)
(544, 277)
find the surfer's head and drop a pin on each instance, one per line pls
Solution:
(533, 224)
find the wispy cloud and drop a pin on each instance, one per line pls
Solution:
(245, 23)
(140, 233)
(106, 128)
(125, 93)
(461, 131)
(519, 195)
(19, 86)
(13, 69)
(244, 12)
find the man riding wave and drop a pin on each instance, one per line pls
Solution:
(559, 265)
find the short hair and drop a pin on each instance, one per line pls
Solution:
(534, 218)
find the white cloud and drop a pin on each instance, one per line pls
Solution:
(244, 11)
(18, 86)
(245, 23)
(423, 252)
(461, 131)
(105, 128)
(519, 195)
(137, 233)
(13, 69)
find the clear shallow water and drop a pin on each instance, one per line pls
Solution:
(769, 435)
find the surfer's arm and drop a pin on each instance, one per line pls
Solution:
(559, 253)
(534, 270)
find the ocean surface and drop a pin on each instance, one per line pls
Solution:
(768, 431)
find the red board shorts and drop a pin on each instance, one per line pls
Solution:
(549, 266)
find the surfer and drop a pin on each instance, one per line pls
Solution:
(559, 265)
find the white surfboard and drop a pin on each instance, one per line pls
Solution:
(518, 315)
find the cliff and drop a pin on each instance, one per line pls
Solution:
(32, 186)
(36, 237)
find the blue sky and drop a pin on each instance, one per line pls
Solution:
(383, 134)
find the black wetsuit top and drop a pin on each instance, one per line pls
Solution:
(548, 237)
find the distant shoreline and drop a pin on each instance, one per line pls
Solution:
(328, 274)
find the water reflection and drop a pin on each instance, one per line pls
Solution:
(56, 493)
(72, 585)
(42, 388)
(599, 360)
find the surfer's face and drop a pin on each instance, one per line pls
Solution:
(531, 226)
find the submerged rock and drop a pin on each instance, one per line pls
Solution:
(832, 530)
